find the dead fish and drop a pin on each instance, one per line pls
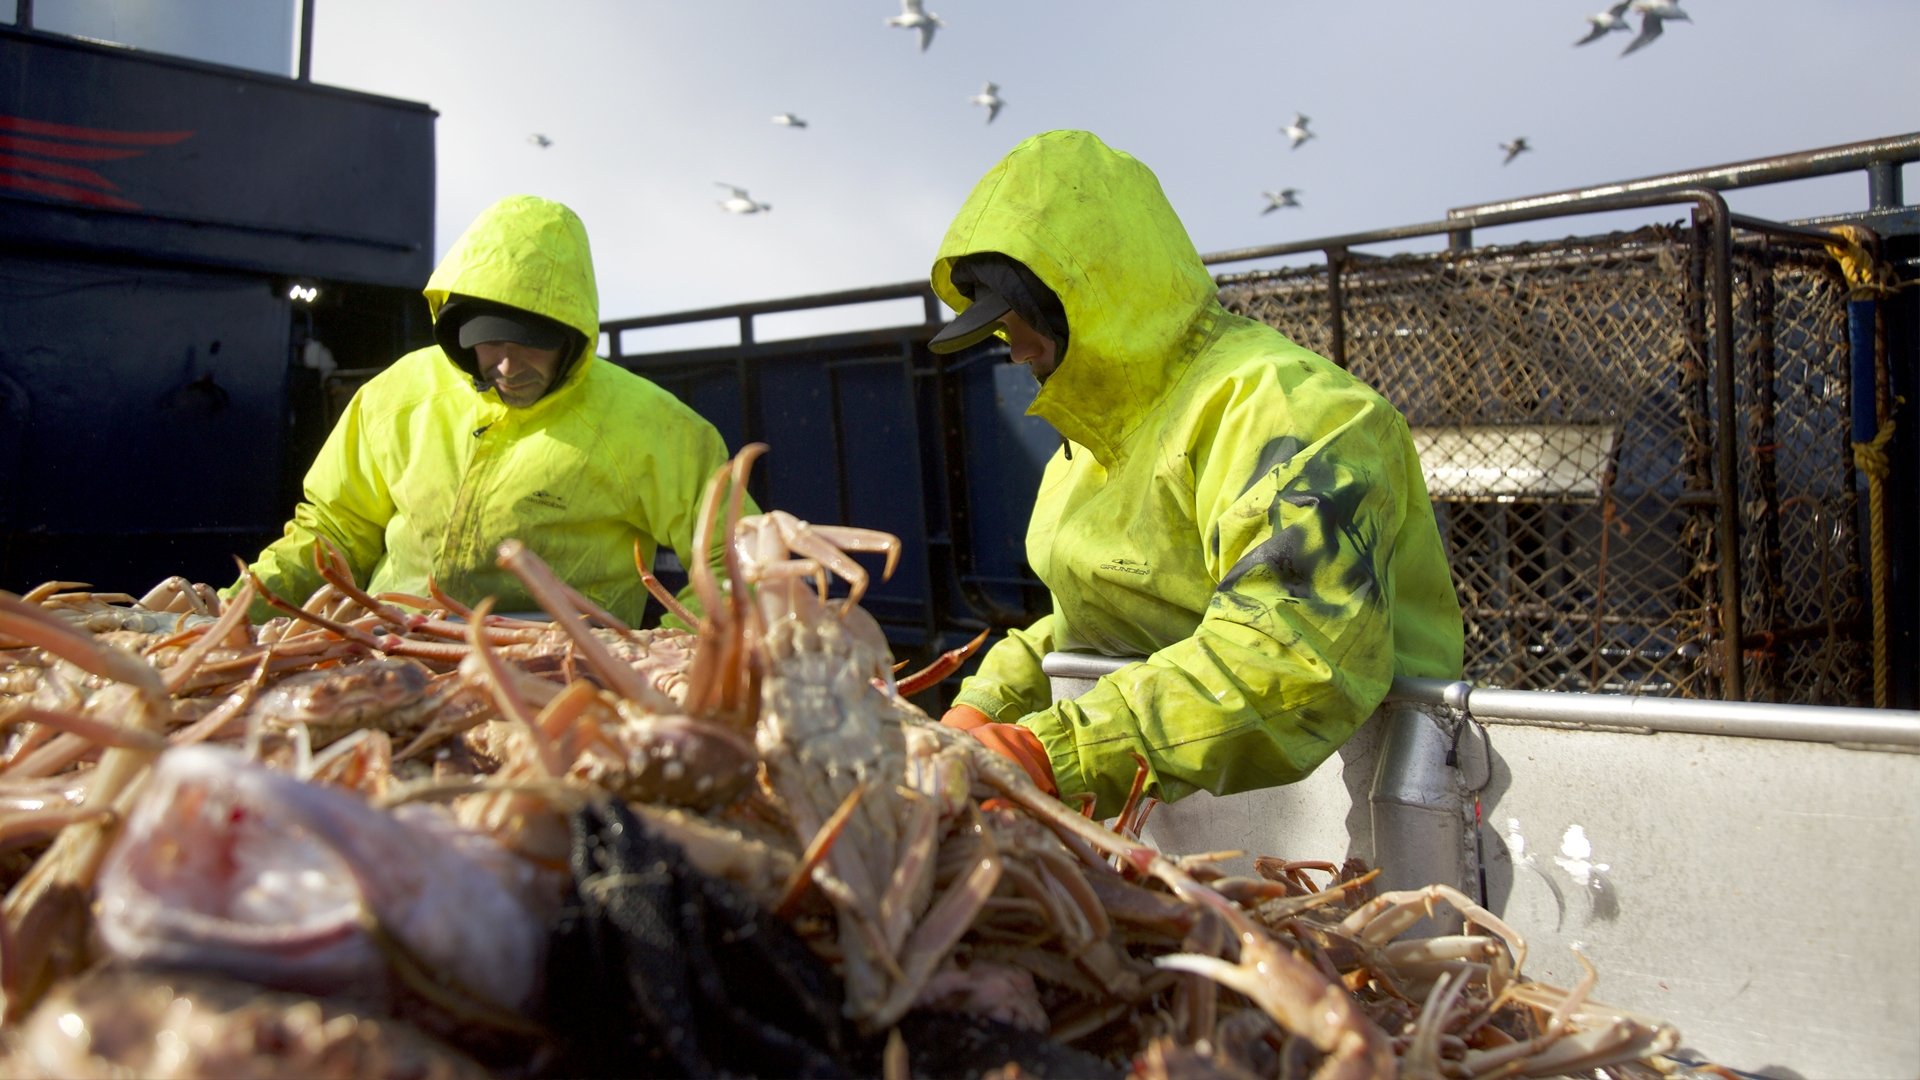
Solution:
(227, 866)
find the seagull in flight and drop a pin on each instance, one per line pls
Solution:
(914, 16)
(1652, 14)
(539, 140)
(1514, 149)
(989, 96)
(787, 119)
(740, 202)
(1614, 18)
(1297, 131)
(1277, 200)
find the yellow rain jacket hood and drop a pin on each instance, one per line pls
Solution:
(1233, 507)
(427, 472)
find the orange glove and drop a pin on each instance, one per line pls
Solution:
(965, 717)
(1010, 741)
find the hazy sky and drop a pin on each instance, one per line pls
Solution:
(648, 103)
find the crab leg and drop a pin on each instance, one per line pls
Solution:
(346, 630)
(230, 620)
(1299, 998)
(54, 755)
(23, 796)
(90, 729)
(700, 573)
(1422, 1060)
(275, 659)
(45, 908)
(459, 609)
(46, 589)
(827, 546)
(419, 603)
(667, 600)
(389, 645)
(28, 744)
(36, 626)
(1384, 917)
(594, 611)
(947, 663)
(38, 824)
(1576, 1037)
(718, 679)
(334, 570)
(1276, 910)
(945, 922)
(816, 852)
(500, 680)
(1133, 813)
(553, 596)
(229, 710)
(499, 631)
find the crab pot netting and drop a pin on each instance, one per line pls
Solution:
(1563, 401)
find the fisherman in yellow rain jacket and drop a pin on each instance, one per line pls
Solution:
(1226, 503)
(509, 427)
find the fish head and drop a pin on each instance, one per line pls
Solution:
(228, 866)
(217, 869)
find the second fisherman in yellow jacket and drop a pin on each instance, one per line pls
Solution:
(1236, 509)
(508, 426)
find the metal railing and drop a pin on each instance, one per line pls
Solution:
(1072, 673)
(1879, 159)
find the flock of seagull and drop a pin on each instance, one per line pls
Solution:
(1654, 14)
(913, 16)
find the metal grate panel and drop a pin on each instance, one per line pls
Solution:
(1562, 399)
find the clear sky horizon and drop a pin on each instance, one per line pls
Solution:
(650, 104)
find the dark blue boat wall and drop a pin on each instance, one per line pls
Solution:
(157, 403)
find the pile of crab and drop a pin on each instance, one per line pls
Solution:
(344, 842)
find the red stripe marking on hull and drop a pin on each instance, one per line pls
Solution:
(63, 150)
(65, 191)
(87, 134)
(58, 171)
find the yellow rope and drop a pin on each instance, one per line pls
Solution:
(1870, 279)
(1867, 277)
(1872, 458)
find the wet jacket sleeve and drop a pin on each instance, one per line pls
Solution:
(345, 500)
(1009, 683)
(1296, 646)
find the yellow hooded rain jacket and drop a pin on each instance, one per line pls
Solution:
(1233, 506)
(425, 474)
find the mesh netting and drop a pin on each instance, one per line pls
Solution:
(1562, 399)
(1802, 586)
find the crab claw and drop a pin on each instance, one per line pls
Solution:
(947, 663)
